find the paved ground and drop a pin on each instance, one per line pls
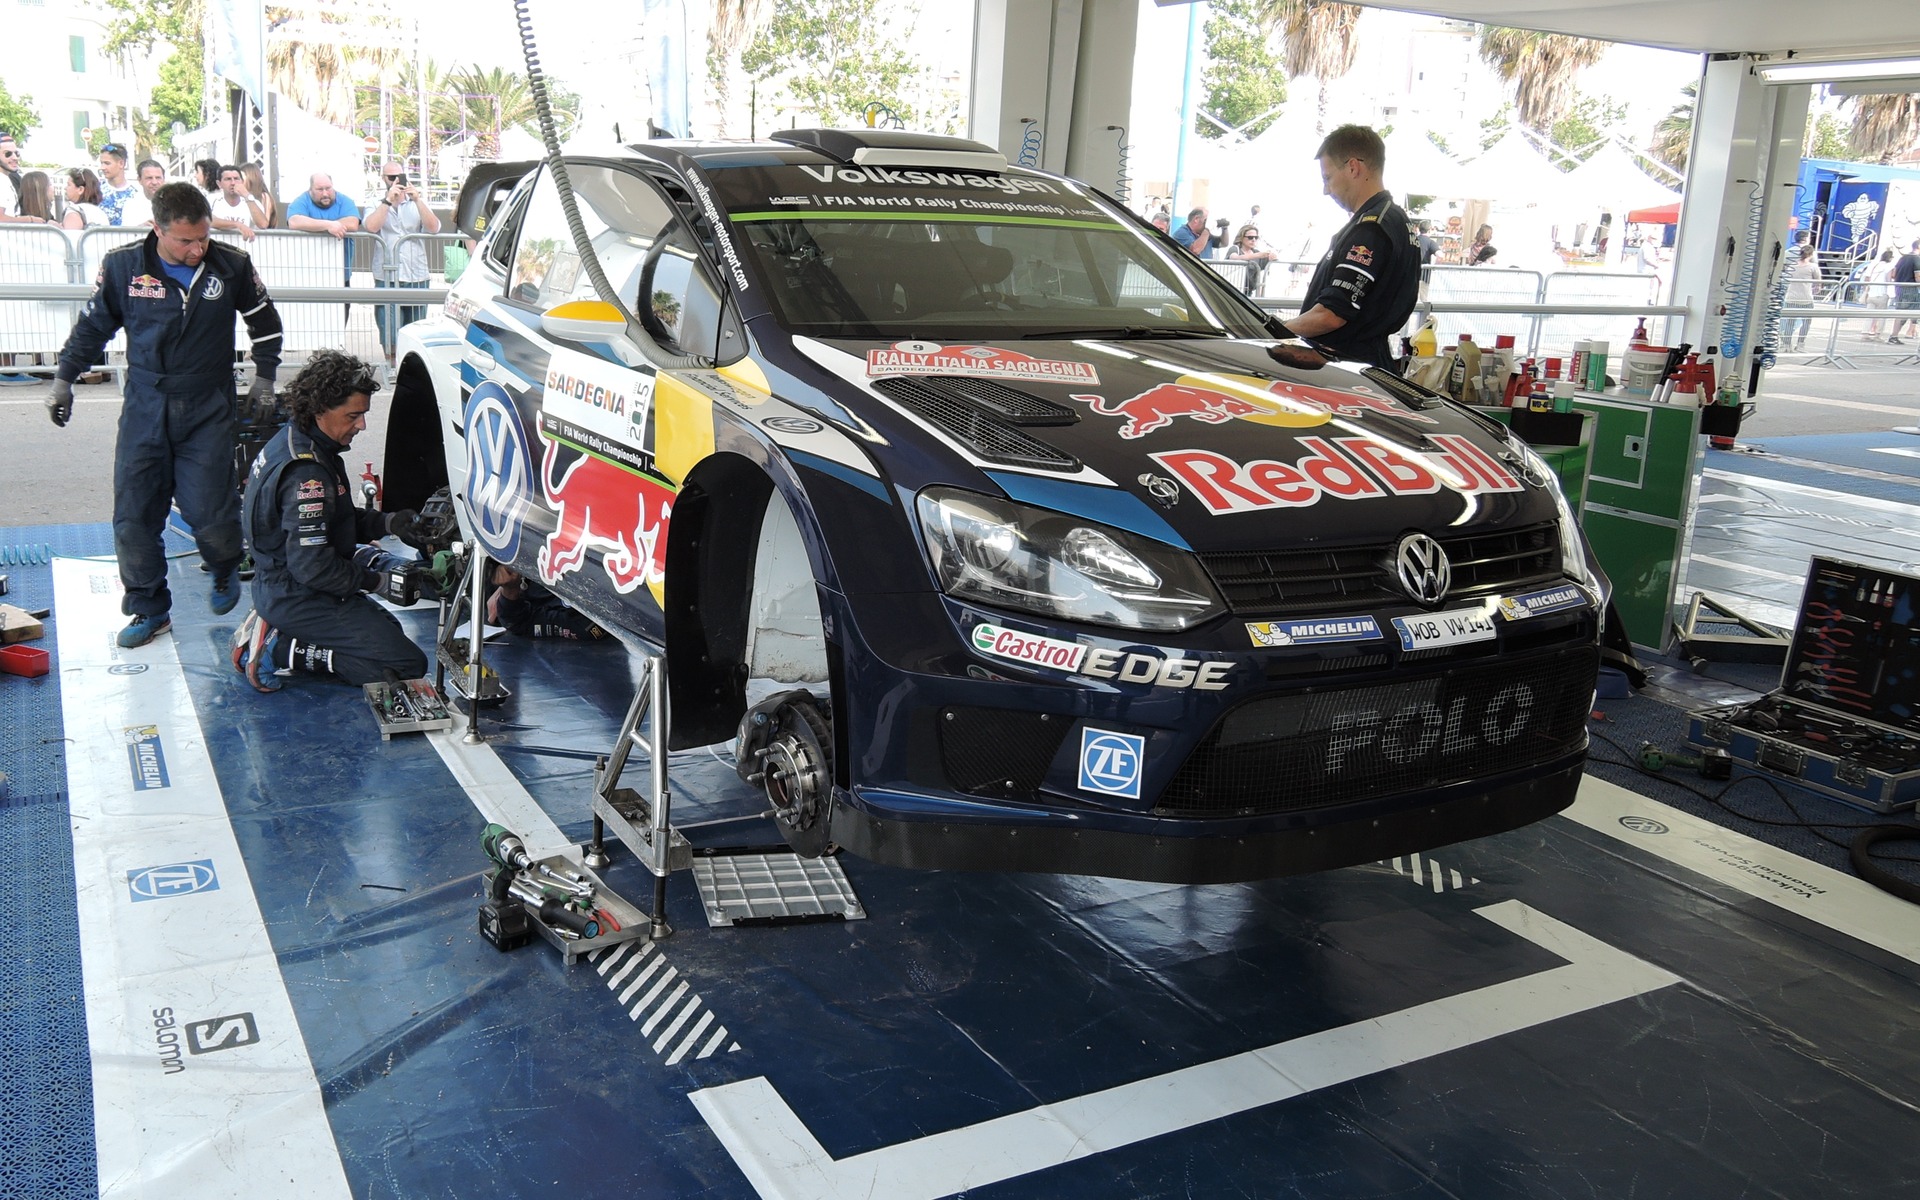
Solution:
(58, 476)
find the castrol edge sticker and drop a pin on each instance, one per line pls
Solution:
(1126, 666)
(1341, 468)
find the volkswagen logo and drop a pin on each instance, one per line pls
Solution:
(1425, 574)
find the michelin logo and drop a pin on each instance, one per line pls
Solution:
(145, 758)
(1313, 631)
(1517, 608)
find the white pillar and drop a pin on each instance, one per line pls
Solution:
(1740, 181)
(1049, 77)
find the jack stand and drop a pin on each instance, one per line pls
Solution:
(470, 680)
(1756, 643)
(641, 821)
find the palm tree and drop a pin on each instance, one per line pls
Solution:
(1544, 66)
(1673, 136)
(1322, 39)
(1884, 126)
(736, 25)
(318, 73)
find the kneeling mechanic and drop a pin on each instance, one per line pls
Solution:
(313, 563)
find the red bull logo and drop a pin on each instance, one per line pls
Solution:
(599, 505)
(1160, 404)
(1345, 468)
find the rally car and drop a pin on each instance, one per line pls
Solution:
(977, 513)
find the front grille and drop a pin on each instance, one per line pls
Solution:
(978, 430)
(1339, 745)
(994, 751)
(1271, 583)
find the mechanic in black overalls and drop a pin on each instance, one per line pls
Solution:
(311, 558)
(1366, 286)
(176, 294)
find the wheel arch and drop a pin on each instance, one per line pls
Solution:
(415, 462)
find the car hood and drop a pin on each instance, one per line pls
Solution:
(1221, 443)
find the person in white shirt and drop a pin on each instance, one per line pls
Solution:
(9, 177)
(398, 260)
(235, 211)
(138, 211)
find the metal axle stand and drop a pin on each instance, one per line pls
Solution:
(641, 821)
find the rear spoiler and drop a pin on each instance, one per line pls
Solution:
(486, 188)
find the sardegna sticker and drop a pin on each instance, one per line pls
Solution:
(499, 470)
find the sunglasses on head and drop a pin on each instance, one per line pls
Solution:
(113, 148)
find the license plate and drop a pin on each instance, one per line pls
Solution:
(1445, 628)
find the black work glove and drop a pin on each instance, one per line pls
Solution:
(258, 406)
(406, 525)
(60, 404)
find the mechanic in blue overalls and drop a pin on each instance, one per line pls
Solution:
(312, 559)
(176, 294)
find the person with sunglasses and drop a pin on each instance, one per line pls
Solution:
(399, 259)
(9, 178)
(1246, 247)
(83, 209)
(115, 188)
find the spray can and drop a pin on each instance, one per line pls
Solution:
(1519, 384)
(1596, 377)
(1542, 399)
(1577, 370)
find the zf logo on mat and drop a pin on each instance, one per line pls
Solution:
(172, 879)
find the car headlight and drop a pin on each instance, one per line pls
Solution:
(1573, 547)
(1033, 559)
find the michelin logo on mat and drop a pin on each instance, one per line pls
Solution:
(144, 755)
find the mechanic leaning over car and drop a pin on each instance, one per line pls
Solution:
(312, 563)
(1365, 288)
(176, 293)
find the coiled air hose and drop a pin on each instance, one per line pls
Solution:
(1739, 289)
(1122, 189)
(659, 355)
(1030, 139)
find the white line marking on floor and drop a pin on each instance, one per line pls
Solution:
(1898, 410)
(633, 989)
(202, 1085)
(680, 1022)
(1901, 451)
(1840, 902)
(1760, 484)
(693, 1035)
(784, 1161)
(1727, 564)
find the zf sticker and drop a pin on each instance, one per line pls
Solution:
(1112, 763)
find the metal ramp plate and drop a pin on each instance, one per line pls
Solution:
(772, 888)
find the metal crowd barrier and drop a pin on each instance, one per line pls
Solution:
(47, 274)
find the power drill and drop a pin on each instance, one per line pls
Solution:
(1712, 763)
(519, 886)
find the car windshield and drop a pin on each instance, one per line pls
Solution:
(905, 262)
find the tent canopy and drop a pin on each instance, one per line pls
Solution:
(1663, 214)
(1511, 170)
(1611, 178)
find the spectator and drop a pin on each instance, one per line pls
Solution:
(9, 177)
(399, 259)
(115, 187)
(235, 211)
(1801, 277)
(1163, 220)
(1906, 293)
(150, 175)
(1481, 238)
(1423, 237)
(36, 197)
(1247, 248)
(257, 188)
(206, 173)
(1195, 235)
(320, 209)
(83, 209)
(1874, 285)
(1483, 257)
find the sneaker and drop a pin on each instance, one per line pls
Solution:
(226, 591)
(142, 630)
(1894, 341)
(253, 646)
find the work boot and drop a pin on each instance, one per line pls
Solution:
(253, 645)
(226, 591)
(142, 630)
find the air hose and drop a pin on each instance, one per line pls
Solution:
(1121, 187)
(1733, 326)
(570, 207)
(1030, 139)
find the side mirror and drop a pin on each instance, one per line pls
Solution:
(584, 321)
(678, 304)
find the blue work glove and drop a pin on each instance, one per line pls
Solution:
(60, 403)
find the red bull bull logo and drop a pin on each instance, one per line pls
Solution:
(599, 505)
(1159, 405)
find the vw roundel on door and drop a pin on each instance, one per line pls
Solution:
(976, 514)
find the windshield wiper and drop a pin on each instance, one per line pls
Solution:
(1125, 333)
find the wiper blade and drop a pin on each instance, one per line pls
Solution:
(1125, 333)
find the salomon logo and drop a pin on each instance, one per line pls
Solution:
(221, 1033)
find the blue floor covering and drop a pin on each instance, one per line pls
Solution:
(449, 1069)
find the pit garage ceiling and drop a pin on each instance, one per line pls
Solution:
(1849, 29)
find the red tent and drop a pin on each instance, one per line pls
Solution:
(1665, 214)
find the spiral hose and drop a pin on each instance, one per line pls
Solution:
(1030, 139)
(1733, 326)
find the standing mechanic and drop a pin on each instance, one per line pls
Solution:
(1365, 288)
(176, 293)
(312, 562)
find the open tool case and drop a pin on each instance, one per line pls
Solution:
(1845, 720)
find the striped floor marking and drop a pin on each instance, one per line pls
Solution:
(1428, 873)
(666, 1002)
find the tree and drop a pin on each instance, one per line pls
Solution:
(1322, 39)
(1543, 67)
(1673, 135)
(1589, 124)
(1826, 138)
(737, 24)
(831, 58)
(141, 25)
(1244, 82)
(316, 68)
(1884, 126)
(17, 114)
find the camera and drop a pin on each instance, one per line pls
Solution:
(1222, 223)
(400, 180)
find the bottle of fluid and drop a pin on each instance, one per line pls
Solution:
(1519, 384)
(1640, 340)
(1426, 343)
(1463, 381)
